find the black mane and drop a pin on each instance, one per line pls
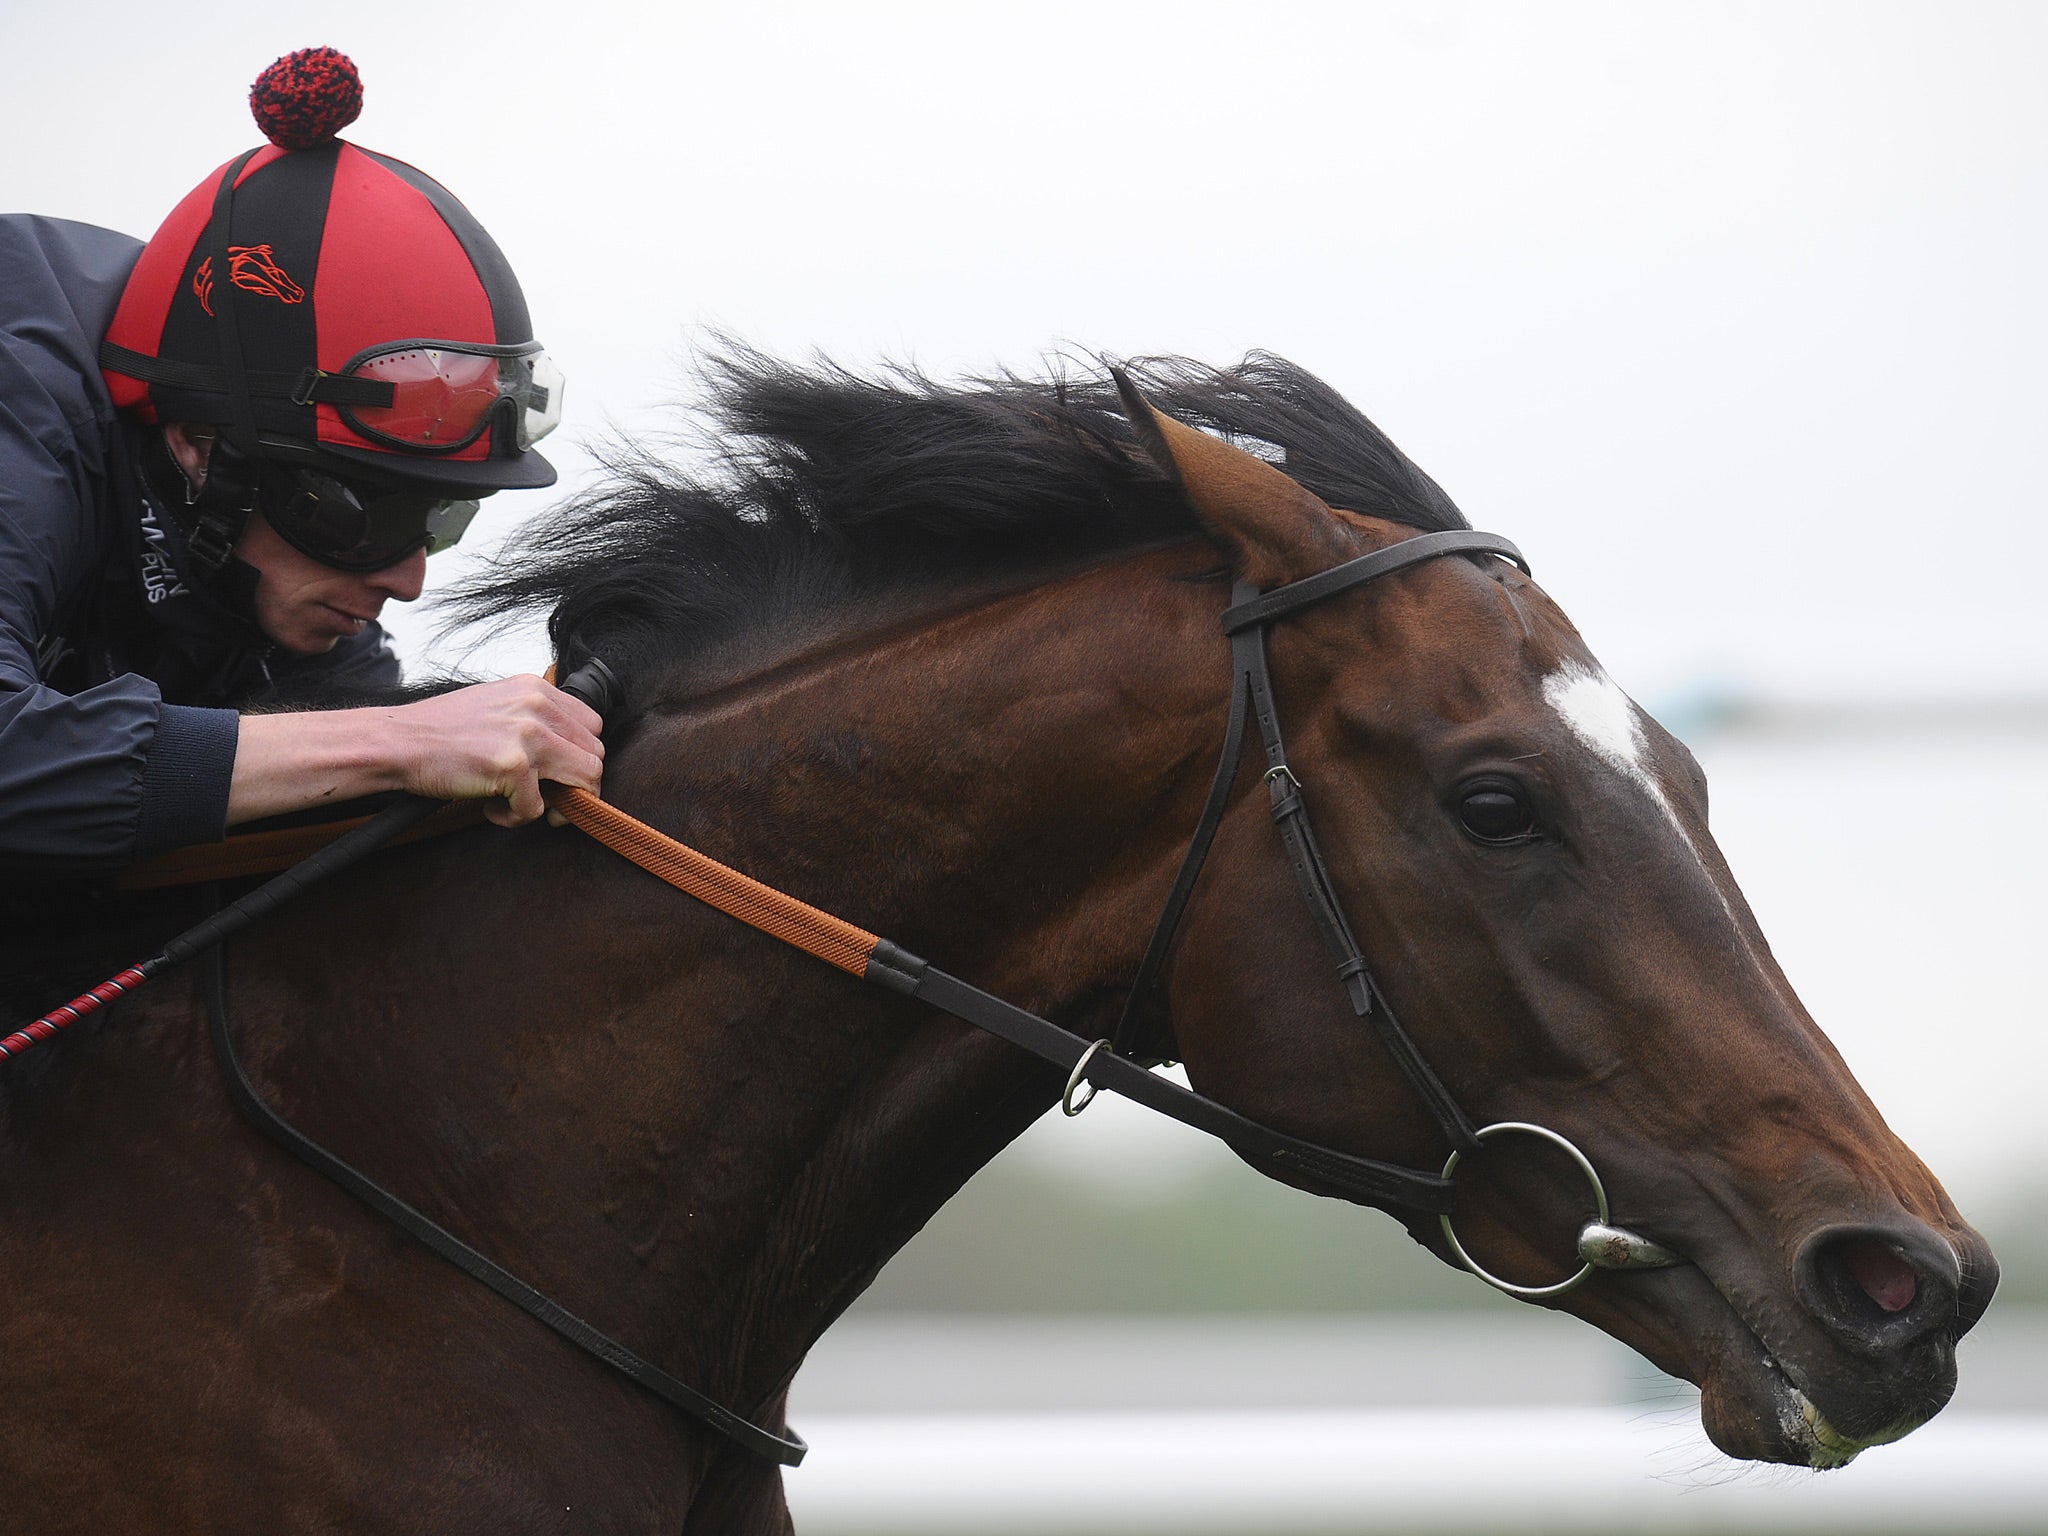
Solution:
(826, 489)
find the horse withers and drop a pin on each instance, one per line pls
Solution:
(948, 663)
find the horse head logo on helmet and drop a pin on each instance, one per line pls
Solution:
(253, 267)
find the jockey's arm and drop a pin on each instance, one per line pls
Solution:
(493, 741)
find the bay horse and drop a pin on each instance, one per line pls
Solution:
(944, 661)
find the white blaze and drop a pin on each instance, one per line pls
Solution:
(1605, 719)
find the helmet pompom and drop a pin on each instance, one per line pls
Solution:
(306, 98)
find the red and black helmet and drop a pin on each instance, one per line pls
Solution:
(326, 304)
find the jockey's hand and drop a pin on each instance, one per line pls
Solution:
(498, 741)
(492, 741)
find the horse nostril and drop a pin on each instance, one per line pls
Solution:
(1886, 1278)
(1877, 1288)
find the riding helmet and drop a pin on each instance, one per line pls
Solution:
(326, 305)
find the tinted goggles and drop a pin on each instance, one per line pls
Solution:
(444, 395)
(359, 528)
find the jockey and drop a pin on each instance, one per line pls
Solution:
(221, 454)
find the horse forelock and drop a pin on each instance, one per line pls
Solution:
(807, 497)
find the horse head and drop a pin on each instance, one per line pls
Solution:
(1526, 857)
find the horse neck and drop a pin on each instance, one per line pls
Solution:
(960, 785)
(704, 1139)
(1004, 790)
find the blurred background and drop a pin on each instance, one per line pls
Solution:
(1729, 314)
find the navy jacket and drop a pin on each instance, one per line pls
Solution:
(118, 675)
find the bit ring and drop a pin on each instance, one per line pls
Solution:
(1526, 1292)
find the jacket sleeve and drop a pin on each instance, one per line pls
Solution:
(95, 781)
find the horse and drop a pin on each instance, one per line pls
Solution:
(944, 660)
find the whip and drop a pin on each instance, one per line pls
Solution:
(593, 683)
(229, 920)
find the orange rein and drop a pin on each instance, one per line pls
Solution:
(831, 939)
(773, 912)
(781, 916)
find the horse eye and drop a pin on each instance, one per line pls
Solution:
(1492, 813)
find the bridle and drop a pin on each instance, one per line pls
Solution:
(1246, 621)
(1092, 1065)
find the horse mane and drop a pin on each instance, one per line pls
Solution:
(819, 491)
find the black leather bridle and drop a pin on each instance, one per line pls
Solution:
(1246, 622)
(1115, 1063)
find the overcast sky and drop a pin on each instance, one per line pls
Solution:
(1729, 314)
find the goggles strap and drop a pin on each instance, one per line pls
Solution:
(309, 386)
(313, 386)
(505, 413)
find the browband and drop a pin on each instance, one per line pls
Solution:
(1313, 589)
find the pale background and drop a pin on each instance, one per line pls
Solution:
(1729, 314)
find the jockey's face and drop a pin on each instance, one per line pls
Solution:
(302, 605)
(307, 607)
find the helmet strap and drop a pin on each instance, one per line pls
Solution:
(240, 428)
(221, 504)
(218, 508)
(212, 516)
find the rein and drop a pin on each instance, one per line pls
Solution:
(1096, 1064)
(785, 1449)
(860, 953)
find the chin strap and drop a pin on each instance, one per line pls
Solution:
(217, 510)
(209, 518)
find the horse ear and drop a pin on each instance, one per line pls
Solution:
(1278, 530)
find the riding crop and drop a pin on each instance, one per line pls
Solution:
(591, 683)
(229, 920)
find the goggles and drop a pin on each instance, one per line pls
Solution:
(441, 396)
(356, 529)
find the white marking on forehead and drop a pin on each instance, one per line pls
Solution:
(1606, 719)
